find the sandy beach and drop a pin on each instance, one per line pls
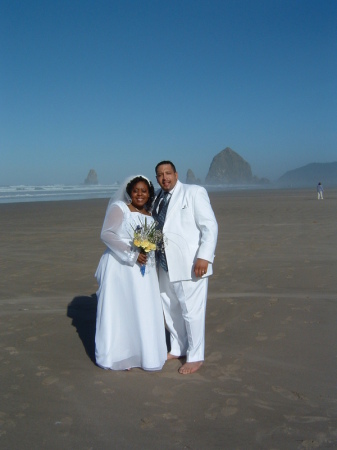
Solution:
(270, 376)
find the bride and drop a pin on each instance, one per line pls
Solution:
(129, 324)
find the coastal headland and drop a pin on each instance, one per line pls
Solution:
(269, 379)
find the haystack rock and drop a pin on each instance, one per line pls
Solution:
(228, 167)
(91, 178)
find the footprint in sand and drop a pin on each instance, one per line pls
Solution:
(176, 425)
(307, 419)
(68, 388)
(220, 391)
(146, 423)
(50, 380)
(229, 411)
(42, 371)
(290, 395)
(287, 320)
(250, 388)
(212, 412)
(6, 424)
(170, 416)
(164, 394)
(231, 408)
(261, 337)
(279, 336)
(65, 421)
(24, 406)
(214, 357)
(264, 405)
(108, 391)
(12, 350)
(233, 367)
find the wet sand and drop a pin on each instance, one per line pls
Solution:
(269, 379)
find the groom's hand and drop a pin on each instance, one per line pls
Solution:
(200, 267)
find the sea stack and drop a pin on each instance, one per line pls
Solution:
(91, 178)
(228, 167)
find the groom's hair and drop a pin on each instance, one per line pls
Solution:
(166, 162)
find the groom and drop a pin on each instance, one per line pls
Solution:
(186, 217)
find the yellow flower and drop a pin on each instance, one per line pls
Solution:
(145, 243)
(137, 242)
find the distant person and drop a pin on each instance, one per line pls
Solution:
(130, 330)
(185, 215)
(320, 191)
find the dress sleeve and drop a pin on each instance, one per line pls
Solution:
(112, 236)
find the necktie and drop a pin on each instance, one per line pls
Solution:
(162, 209)
(160, 218)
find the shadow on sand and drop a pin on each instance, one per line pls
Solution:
(82, 310)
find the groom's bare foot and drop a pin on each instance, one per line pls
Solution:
(170, 356)
(190, 367)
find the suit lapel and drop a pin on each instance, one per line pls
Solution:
(174, 199)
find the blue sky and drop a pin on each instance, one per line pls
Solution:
(118, 86)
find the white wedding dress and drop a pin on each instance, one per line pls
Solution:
(129, 324)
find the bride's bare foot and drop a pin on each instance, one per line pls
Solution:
(190, 367)
(170, 356)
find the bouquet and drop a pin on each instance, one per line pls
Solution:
(148, 239)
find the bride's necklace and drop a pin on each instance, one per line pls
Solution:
(144, 211)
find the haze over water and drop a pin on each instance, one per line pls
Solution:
(119, 86)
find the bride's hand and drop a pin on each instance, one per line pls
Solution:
(142, 258)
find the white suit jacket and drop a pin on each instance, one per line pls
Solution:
(190, 231)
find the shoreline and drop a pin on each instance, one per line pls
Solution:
(31, 194)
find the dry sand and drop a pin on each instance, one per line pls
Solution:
(269, 379)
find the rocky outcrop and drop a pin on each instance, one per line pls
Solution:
(191, 178)
(91, 178)
(228, 167)
(310, 175)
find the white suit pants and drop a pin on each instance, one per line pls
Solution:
(184, 305)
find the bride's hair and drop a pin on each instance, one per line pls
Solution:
(136, 180)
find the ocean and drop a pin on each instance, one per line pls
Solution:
(23, 193)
